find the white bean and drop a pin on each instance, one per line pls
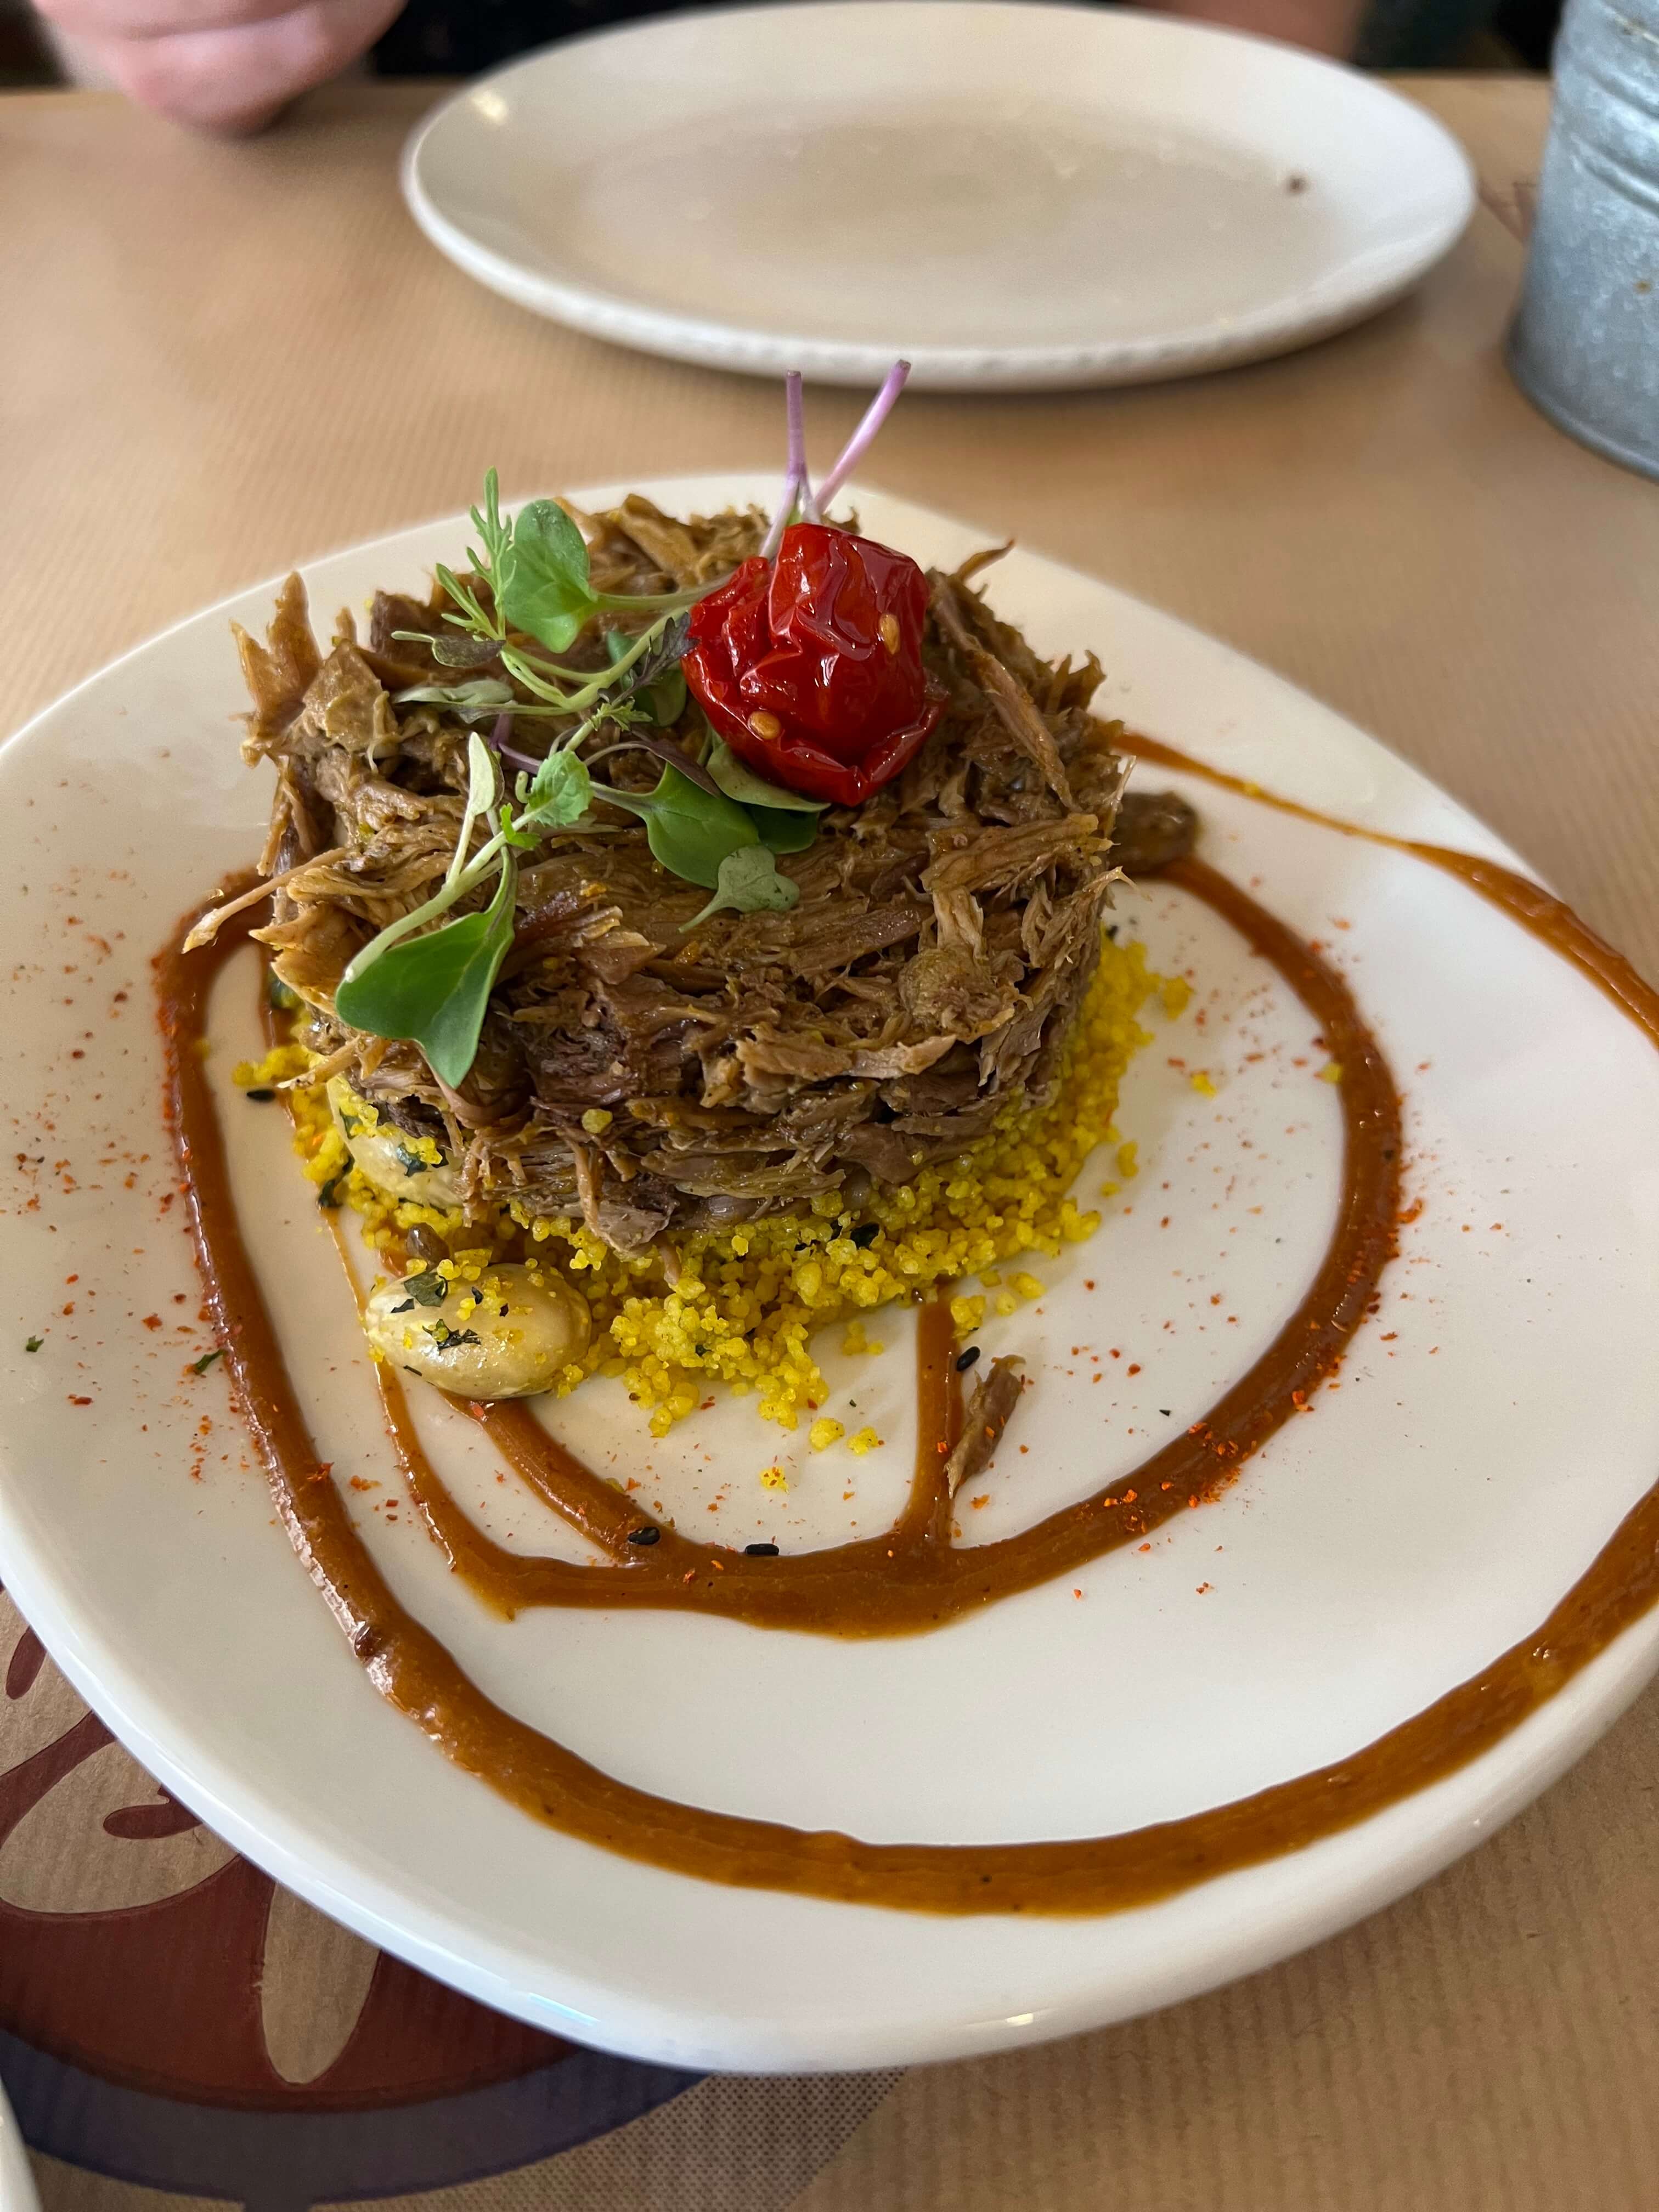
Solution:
(504, 1336)
(386, 1155)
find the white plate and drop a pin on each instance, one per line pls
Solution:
(16, 2181)
(1008, 194)
(1493, 1426)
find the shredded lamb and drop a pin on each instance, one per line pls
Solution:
(945, 933)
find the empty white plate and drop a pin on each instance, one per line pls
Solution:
(1008, 195)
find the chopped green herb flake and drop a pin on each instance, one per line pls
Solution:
(201, 1366)
(33, 1343)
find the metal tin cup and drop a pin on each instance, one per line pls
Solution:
(1584, 346)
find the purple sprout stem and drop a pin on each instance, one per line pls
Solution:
(795, 409)
(798, 486)
(497, 742)
(665, 751)
(865, 436)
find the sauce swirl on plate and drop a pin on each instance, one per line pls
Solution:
(913, 1577)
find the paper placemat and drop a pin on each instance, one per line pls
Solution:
(222, 359)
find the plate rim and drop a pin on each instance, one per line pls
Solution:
(1281, 328)
(17, 2190)
(1446, 1819)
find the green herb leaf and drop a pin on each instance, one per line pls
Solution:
(496, 533)
(32, 1343)
(691, 832)
(428, 1288)
(471, 619)
(749, 882)
(481, 770)
(739, 782)
(781, 832)
(512, 835)
(665, 699)
(201, 1366)
(541, 585)
(453, 648)
(443, 1336)
(656, 680)
(561, 793)
(479, 700)
(433, 990)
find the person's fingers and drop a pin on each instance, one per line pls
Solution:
(235, 80)
(157, 19)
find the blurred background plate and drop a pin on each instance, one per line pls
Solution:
(1009, 195)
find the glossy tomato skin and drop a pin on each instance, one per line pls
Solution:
(810, 666)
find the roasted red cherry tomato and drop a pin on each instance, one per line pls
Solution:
(810, 666)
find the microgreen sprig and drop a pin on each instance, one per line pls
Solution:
(530, 574)
(431, 986)
(714, 823)
(432, 990)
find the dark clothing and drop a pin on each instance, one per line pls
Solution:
(458, 37)
(440, 38)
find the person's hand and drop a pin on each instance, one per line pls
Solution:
(224, 65)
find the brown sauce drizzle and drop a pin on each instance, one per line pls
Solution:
(913, 1577)
(1539, 912)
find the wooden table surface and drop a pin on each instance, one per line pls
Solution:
(219, 360)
